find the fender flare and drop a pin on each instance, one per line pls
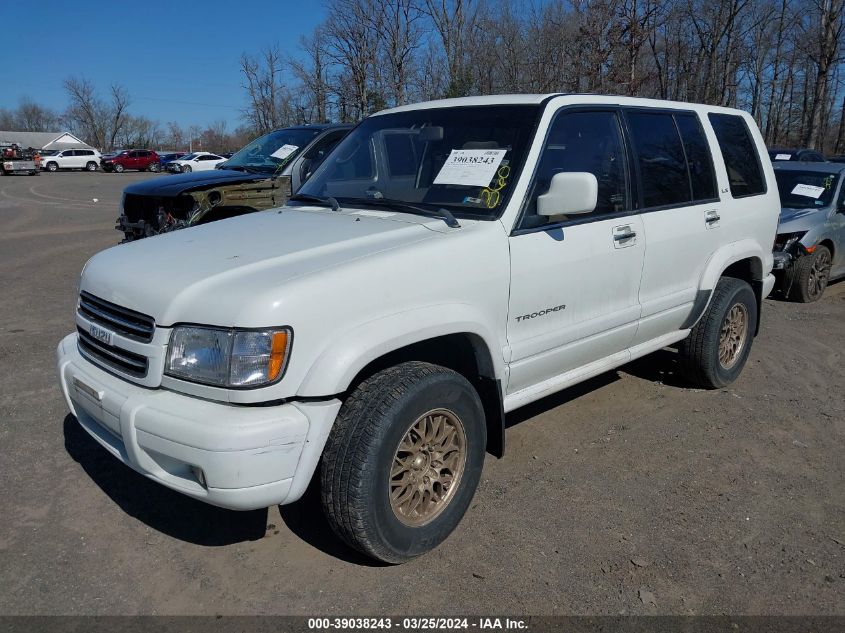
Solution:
(718, 263)
(349, 351)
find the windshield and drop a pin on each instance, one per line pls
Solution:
(191, 156)
(272, 151)
(806, 189)
(464, 159)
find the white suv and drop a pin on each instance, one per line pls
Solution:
(447, 263)
(88, 159)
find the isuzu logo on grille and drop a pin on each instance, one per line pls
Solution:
(101, 334)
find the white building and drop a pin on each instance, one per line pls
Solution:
(43, 140)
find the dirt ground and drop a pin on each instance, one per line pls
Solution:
(629, 494)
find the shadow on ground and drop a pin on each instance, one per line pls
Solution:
(661, 366)
(158, 507)
(306, 520)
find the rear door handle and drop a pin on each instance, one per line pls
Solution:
(621, 237)
(711, 218)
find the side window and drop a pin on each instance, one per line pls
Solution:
(589, 142)
(322, 147)
(134, 154)
(741, 160)
(699, 160)
(660, 157)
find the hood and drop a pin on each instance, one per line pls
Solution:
(174, 185)
(210, 273)
(794, 220)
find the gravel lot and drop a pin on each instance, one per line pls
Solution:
(629, 494)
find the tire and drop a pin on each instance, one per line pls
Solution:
(373, 428)
(154, 167)
(91, 166)
(52, 166)
(186, 169)
(118, 168)
(811, 276)
(717, 348)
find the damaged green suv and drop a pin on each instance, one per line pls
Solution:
(262, 175)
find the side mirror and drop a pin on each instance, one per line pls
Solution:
(570, 193)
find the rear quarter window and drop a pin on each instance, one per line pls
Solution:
(745, 174)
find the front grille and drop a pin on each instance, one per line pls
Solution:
(128, 323)
(111, 356)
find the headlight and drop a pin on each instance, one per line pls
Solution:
(784, 241)
(229, 358)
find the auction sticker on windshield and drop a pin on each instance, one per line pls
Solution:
(808, 190)
(284, 151)
(472, 167)
(783, 156)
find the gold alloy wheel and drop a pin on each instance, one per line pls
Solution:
(733, 335)
(427, 467)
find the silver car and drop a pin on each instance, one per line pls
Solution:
(809, 249)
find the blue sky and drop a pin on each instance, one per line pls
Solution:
(178, 59)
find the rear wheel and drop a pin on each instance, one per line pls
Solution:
(717, 348)
(91, 166)
(811, 276)
(403, 460)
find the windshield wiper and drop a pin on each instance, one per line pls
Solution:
(400, 205)
(307, 197)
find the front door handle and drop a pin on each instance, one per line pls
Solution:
(621, 237)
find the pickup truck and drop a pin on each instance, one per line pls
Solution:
(447, 263)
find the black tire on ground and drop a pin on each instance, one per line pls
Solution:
(52, 166)
(186, 169)
(810, 276)
(118, 168)
(154, 167)
(358, 472)
(91, 166)
(715, 352)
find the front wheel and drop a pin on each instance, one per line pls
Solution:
(810, 276)
(186, 169)
(52, 167)
(91, 166)
(403, 460)
(118, 168)
(154, 167)
(716, 349)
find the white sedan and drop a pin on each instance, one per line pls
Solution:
(196, 161)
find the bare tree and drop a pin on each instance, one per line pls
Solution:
(453, 21)
(831, 25)
(263, 83)
(313, 74)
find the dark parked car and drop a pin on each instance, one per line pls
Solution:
(165, 159)
(800, 155)
(139, 159)
(837, 159)
(262, 175)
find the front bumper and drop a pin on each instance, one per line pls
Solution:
(236, 457)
